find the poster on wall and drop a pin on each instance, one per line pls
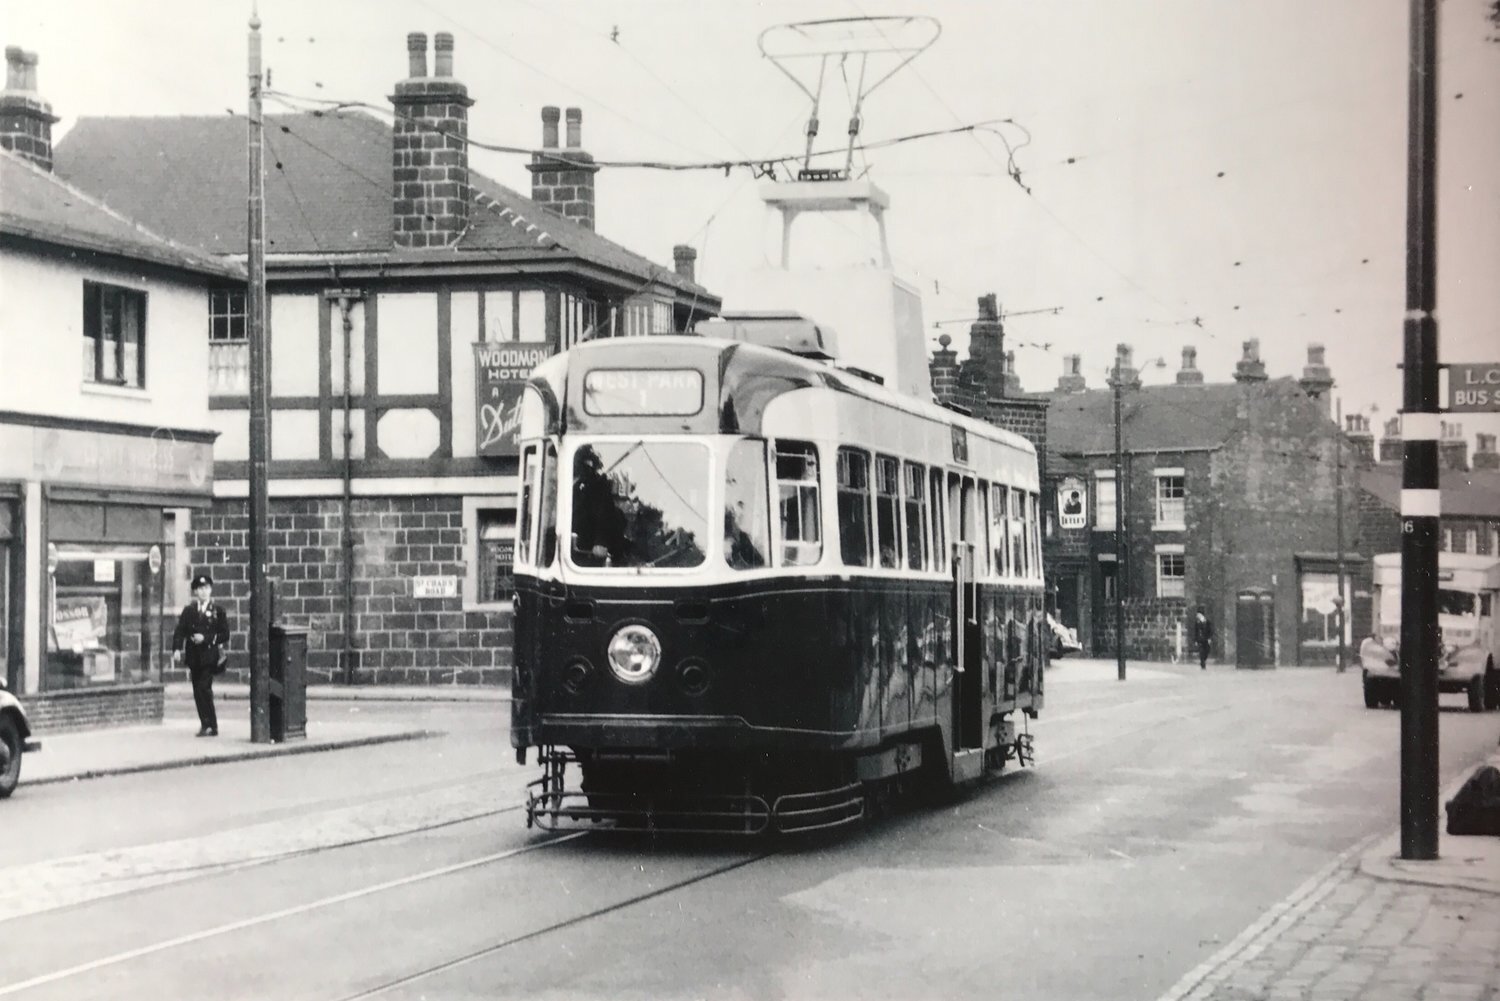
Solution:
(1072, 503)
(79, 623)
(500, 372)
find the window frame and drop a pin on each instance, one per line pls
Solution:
(1163, 554)
(96, 296)
(1163, 478)
(1000, 529)
(937, 504)
(808, 451)
(1104, 483)
(235, 309)
(920, 535)
(473, 510)
(847, 489)
(730, 467)
(889, 503)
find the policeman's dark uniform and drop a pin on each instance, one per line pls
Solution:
(203, 658)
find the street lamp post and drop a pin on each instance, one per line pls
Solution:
(259, 505)
(1121, 568)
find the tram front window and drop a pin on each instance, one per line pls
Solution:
(639, 504)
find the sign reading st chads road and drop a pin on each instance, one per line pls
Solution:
(1474, 389)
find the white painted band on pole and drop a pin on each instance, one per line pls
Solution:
(1421, 314)
(1420, 503)
(1421, 427)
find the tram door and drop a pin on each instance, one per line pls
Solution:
(968, 683)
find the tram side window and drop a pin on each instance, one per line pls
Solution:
(1034, 536)
(917, 539)
(530, 469)
(747, 528)
(888, 510)
(797, 489)
(999, 527)
(939, 536)
(546, 549)
(854, 507)
(1018, 564)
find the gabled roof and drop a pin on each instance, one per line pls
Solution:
(1155, 418)
(328, 191)
(40, 206)
(1472, 494)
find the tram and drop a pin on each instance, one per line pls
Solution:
(762, 580)
(752, 588)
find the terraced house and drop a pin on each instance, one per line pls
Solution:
(409, 296)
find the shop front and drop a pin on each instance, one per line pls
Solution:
(91, 569)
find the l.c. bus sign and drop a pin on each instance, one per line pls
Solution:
(1474, 389)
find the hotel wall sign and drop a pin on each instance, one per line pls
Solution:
(500, 373)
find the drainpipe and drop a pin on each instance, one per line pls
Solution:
(346, 540)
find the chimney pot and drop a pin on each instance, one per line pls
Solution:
(683, 258)
(575, 128)
(15, 68)
(550, 117)
(416, 54)
(442, 54)
(989, 308)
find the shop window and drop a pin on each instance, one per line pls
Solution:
(1171, 500)
(114, 335)
(797, 490)
(1319, 625)
(490, 539)
(108, 623)
(854, 507)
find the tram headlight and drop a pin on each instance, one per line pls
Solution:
(634, 653)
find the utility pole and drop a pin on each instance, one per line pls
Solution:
(1119, 391)
(260, 597)
(1341, 601)
(1420, 507)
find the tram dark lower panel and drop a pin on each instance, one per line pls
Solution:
(652, 793)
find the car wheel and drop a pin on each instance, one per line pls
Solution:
(10, 737)
(1477, 694)
(1372, 697)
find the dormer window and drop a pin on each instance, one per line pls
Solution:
(114, 335)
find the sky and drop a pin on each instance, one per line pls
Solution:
(1190, 172)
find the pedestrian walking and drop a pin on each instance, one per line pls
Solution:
(1203, 637)
(202, 640)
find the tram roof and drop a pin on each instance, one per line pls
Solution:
(673, 350)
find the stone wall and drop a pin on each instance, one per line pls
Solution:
(1154, 627)
(398, 638)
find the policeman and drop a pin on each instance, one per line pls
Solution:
(202, 639)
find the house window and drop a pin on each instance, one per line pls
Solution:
(1495, 541)
(1104, 502)
(1471, 541)
(1171, 500)
(1108, 577)
(114, 335)
(226, 316)
(514, 316)
(1447, 540)
(490, 541)
(1171, 572)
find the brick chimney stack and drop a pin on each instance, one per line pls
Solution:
(1189, 374)
(1316, 379)
(1250, 368)
(563, 179)
(1361, 438)
(944, 371)
(984, 371)
(429, 149)
(1072, 380)
(685, 261)
(1485, 456)
(25, 119)
(1453, 448)
(1124, 371)
(1390, 441)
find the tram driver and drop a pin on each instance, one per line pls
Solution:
(599, 536)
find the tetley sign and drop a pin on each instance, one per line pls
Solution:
(1474, 388)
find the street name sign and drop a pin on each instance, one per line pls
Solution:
(1474, 388)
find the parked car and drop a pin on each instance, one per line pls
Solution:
(1064, 640)
(1468, 596)
(15, 740)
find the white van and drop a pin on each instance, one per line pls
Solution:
(1468, 592)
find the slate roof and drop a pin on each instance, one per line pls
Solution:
(1472, 494)
(328, 191)
(40, 206)
(1156, 418)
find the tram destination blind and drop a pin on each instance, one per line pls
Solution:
(642, 392)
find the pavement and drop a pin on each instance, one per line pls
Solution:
(1372, 926)
(124, 750)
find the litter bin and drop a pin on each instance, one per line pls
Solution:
(1255, 629)
(288, 686)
